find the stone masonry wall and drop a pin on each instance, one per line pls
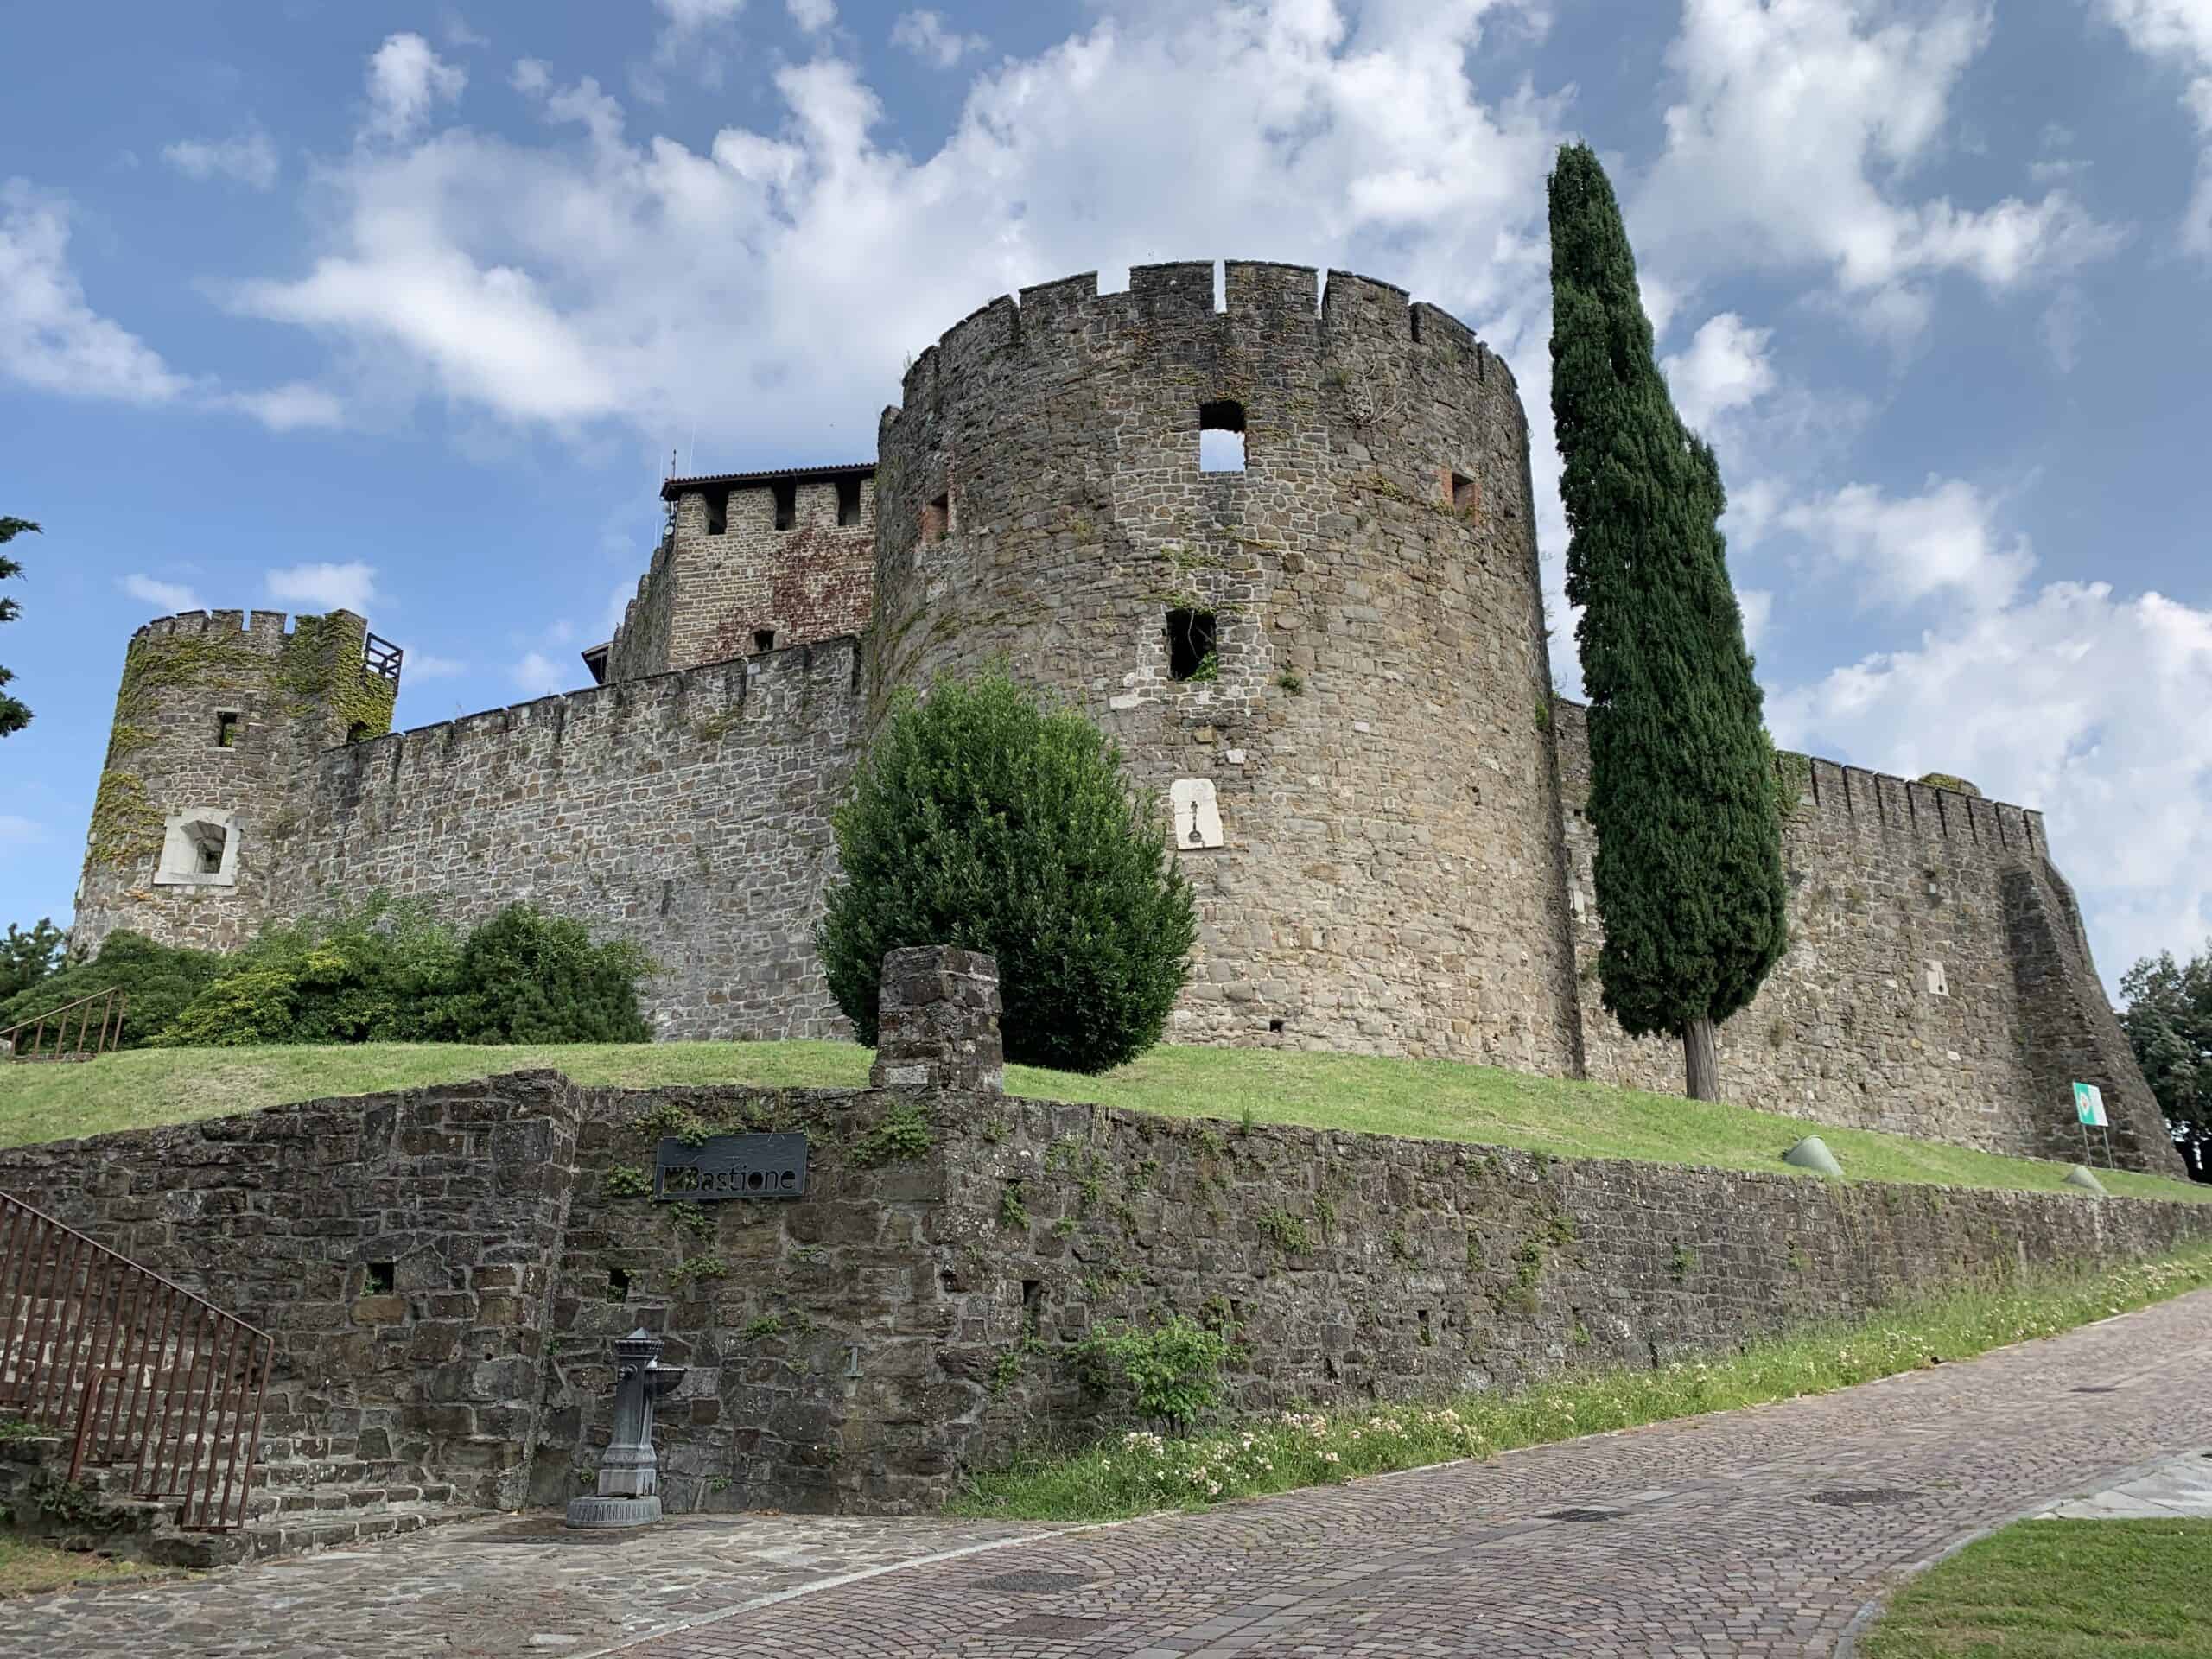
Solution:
(1389, 869)
(294, 688)
(688, 812)
(289, 1218)
(1900, 1004)
(706, 596)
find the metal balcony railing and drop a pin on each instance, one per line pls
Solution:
(49, 1038)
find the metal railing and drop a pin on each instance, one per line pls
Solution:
(153, 1383)
(109, 1005)
(380, 658)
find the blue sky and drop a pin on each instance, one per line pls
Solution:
(406, 306)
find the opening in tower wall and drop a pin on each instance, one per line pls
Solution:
(1465, 496)
(786, 505)
(1221, 437)
(848, 502)
(937, 519)
(1191, 654)
(227, 730)
(764, 638)
(717, 512)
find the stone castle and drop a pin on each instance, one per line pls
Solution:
(1283, 549)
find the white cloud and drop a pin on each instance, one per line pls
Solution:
(2180, 32)
(290, 407)
(458, 33)
(690, 17)
(1757, 606)
(540, 675)
(1912, 548)
(419, 666)
(812, 16)
(50, 338)
(571, 279)
(407, 80)
(925, 34)
(348, 587)
(249, 158)
(15, 830)
(2089, 706)
(1800, 124)
(1725, 367)
(168, 598)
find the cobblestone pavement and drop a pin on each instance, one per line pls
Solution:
(1759, 1532)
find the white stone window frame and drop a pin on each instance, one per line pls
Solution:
(1196, 814)
(179, 860)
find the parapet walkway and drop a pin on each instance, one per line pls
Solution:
(1762, 1532)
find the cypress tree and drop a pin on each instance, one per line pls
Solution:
(1684, 797)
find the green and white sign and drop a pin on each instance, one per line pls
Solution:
(2089, 1106)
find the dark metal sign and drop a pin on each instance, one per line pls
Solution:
(731, 1166)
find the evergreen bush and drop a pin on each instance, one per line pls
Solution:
(525, 977)
(989, 821)
(157, 981)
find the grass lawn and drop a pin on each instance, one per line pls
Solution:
(2060, 1589)
(30, 1568)
(1436, 1099)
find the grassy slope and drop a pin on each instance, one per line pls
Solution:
(2061, 1589)
(1440, 1099)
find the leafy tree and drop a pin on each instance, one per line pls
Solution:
(990, 821)
(1683, 796)
(2169, 1022)
(157, 981)
(27, 959)
(524, 977)
(14, 716)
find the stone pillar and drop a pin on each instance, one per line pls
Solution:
(938, 1022)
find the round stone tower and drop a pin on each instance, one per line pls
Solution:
(217, 725)
(1283, 552)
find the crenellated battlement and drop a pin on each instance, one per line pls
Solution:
(266, 632)
(1283, 307)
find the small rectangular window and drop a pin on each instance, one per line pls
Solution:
(1465, 495)
(717, 512)
(848, 502)
(786, 495)
(1221, 437)
(379, 1279)
(764, 638)
(1190, 653)
(227, 731)
(937, 519)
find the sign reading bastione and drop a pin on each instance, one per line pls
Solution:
(1323, 649)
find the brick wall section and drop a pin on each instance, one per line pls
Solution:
(276, 1218)
(706, 596)
(688, 812)
(1900, 1004)
(1388, 882)
(200, 663)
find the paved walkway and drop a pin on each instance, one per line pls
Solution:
(1752, 1532)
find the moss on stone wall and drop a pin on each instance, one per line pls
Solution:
(322, 667)
(126, 826)
(1947, 780)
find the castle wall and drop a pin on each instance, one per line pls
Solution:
(1390, 865)
(218, 716)
(706, 596)
(1901, 1003)
(688, 813)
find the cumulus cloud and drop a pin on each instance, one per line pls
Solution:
(2076, 701)
(925, 34)
(249, 158)
(290, 407)
(540, 675)
(812, 16)
(1725, 367)
(168, 598)
(1942, 542)
(2179, 33)
(1799, 126)
(407, 81)
(348, 587)
(50, 337)
(420, 665)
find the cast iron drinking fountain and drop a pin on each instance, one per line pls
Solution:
(629, 1476)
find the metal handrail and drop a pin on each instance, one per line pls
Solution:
(144, 1373)
(380, 658)
(113, 1003)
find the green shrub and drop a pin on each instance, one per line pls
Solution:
(157, 981)
(524, 977)
(987, 821)
(1173, 1369)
